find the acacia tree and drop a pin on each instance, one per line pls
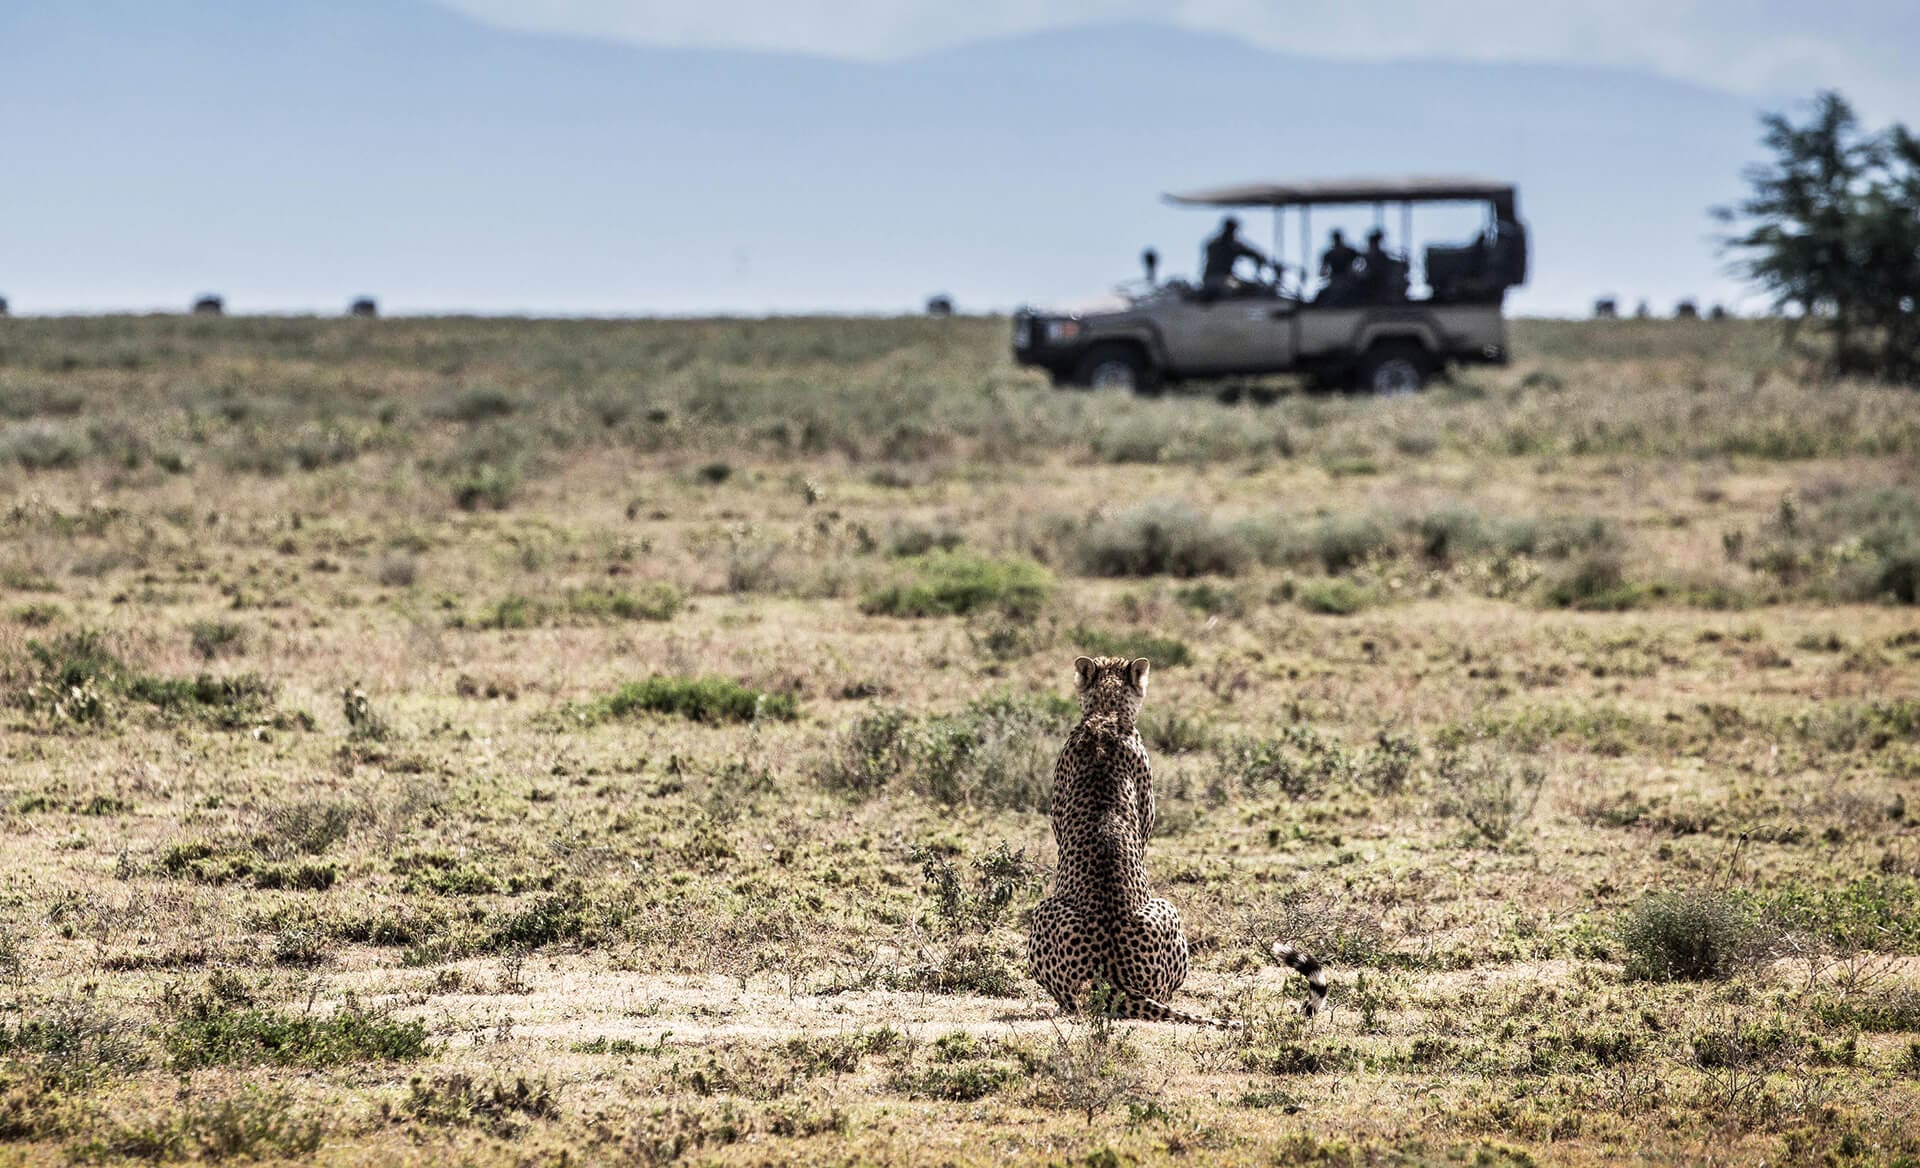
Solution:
(1832, 230)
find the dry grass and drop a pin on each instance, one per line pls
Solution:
(479, 740)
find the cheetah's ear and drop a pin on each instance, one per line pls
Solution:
(1137, 673)
(1085, 667)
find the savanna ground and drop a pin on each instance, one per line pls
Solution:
(500, 742)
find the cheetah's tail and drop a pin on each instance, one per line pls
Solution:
(1309, 968)
(1148, 1010)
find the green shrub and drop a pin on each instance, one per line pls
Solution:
(1333, 597)
(956, 583)
(652, 602)
(1164, 652)
(1343, 542)
(210, 1031)
(514, 612)
(1172, 732)
(486, 486)
(481, 404)
(976, 905)
(1596, 582)
(706, 699)
(253, 1125)
(877, 749)
(43, 445)
(915, 539)
(1213, 601)
(1701, 935)
(1161, 538)
(456, 1099)
(230, 702)
(1488, 791)
(1298, 762)
(998, 752)
(217, 638)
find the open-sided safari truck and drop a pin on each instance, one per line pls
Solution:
(1370, 329)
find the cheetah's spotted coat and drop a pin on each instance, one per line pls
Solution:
(1103, 927)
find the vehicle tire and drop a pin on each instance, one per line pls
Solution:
(1395, 369)
(1116, 367)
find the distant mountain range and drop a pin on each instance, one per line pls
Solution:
(294, 154)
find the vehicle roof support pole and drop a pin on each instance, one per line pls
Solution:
(1279, 240)
(1406, 235)
(1306, 247)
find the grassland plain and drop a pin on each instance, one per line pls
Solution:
(494, 742)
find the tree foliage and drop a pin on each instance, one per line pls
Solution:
(1832, 231)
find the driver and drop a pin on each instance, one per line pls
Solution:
(1224, 249)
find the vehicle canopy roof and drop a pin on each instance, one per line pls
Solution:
(1410, 188)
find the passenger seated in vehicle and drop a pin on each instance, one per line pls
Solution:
(1223, 250)
(1383, 277)
(1336, 263)
(1338, 268)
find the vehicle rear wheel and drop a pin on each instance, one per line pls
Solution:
(1116, 367)
(1395, 369)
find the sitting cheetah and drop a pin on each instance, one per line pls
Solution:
(1101, 926)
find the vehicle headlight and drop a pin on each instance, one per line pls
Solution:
(1059, 332)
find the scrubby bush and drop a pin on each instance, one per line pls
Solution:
(486, 486)
(1335, 597)
(1164, 652)
(1343, 542)
(1700, 935)
(956, 583)
(1493, 794)
(1595, 582)
(220, 1028)
(998, 752)
(1161, 538)
(657, 601)
(706, 699)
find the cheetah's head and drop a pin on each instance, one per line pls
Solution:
(1111, 685)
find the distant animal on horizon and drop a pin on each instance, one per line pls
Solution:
(1103, 941)
(209, 305)
(365, 306)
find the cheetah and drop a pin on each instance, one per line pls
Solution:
(1103, 927)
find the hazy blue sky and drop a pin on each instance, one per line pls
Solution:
(615, 157)
(1761, 48)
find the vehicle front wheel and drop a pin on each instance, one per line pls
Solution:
(1395, 370)
(1116, 367)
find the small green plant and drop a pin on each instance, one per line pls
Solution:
(1162, 538)
(252, 1124)
(1164, 652)
(1492, 794)
(1699, 935)
(981, 903)
(457, 1099)
(210, 1029)
(486, 487)
(956, 583)
(648, 602)
(711, 700)
(216, 638)
(1337, 596)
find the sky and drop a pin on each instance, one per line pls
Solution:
(626, 157)
(1756, 48)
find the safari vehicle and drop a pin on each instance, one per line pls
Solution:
(1376, 333)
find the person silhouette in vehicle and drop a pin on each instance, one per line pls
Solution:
(1377, 267)
(1336, 263)
(1224, 249)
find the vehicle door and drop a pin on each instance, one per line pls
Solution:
(1243, 334)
